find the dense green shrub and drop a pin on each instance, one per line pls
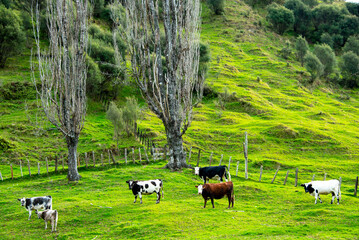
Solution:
(280, 17)
(349, 66)
(353, 8)
(326, 56)
(301, 47)
(302, 15)
(217, 6)
(310, 3)
(352, 45)
(325, 38)
(11, 35)
(313, 65)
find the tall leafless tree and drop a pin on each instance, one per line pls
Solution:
(166, 68)
(62, 71)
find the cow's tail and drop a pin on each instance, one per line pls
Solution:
(56, 217)
(339, 192)
(229, 175)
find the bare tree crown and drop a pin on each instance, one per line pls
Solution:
(165, 68)
(62, 68)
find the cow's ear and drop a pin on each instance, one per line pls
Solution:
(303, 185)
(19, 199)
(196, 186)
(127, 181)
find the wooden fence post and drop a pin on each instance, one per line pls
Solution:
(133, 156)
(275, 175)
(199, 156)
(93, 159)
(313, 177)
(63, 163)
(245, 148)
(78, 161)
(47, 166)
(56, 163)
(113, 158)
(286, 177)
(38, 168)
(210, 159)
(296, 177)
(260, 174)
(101, 159)
(28, 166)
(237, 168)
(220, 161)
(139, 153)
(109, 157)
(86, 160)
(1, 177)
(325, 176)
(12, 173)
(356, 187)
(144, 149)
(189, 155)
(126, 155)
(229, 163)
(21, 169)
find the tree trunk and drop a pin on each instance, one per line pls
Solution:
(175, 142)
(73, 174)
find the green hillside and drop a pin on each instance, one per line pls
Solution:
(250, 88)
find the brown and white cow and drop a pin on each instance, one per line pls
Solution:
(49, 215)
(216, 191)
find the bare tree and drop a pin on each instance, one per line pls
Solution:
(166, 68)
(62, 71)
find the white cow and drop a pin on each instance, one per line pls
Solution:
(323, 187)
(49, 215)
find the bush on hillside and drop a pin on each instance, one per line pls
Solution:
(325, 38)
(11, 35)
(280, 18)
(326, 56)
(313, 65)
(349, 66)
(353, 8)
(310, 3)
(352, 45)
(217, 6)
(302, 15)
(301, 47)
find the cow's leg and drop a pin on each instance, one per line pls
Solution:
(320, 198)
(135, 199)
(52, 225)
(140, 195)
(232, 198)
(229, 201)
(29, 214)
(205, 202)
(333, 197)
(338, 198)
(316, 197)
(212, 202)
(45, 224)
(158, 197)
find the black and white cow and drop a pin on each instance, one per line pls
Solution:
(323, 187)
(36, 203)
(140, 188)
(216, 172)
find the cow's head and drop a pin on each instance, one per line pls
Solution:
(39, 214)
(196, 170)
(130, 183)
(200, 188)
(307, 187)
(22, 200)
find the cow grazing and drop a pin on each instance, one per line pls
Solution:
(216, 191)
(216, 172)
(36, 203)
(49, 215)
(140, 188)
(323, 187)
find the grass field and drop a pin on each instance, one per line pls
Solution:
(101, 206)
(291, 123)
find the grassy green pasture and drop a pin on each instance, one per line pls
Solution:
(101, 206)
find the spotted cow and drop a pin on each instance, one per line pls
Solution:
(215, 172)
(315, 188)
(36, 203)
(140, 188)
